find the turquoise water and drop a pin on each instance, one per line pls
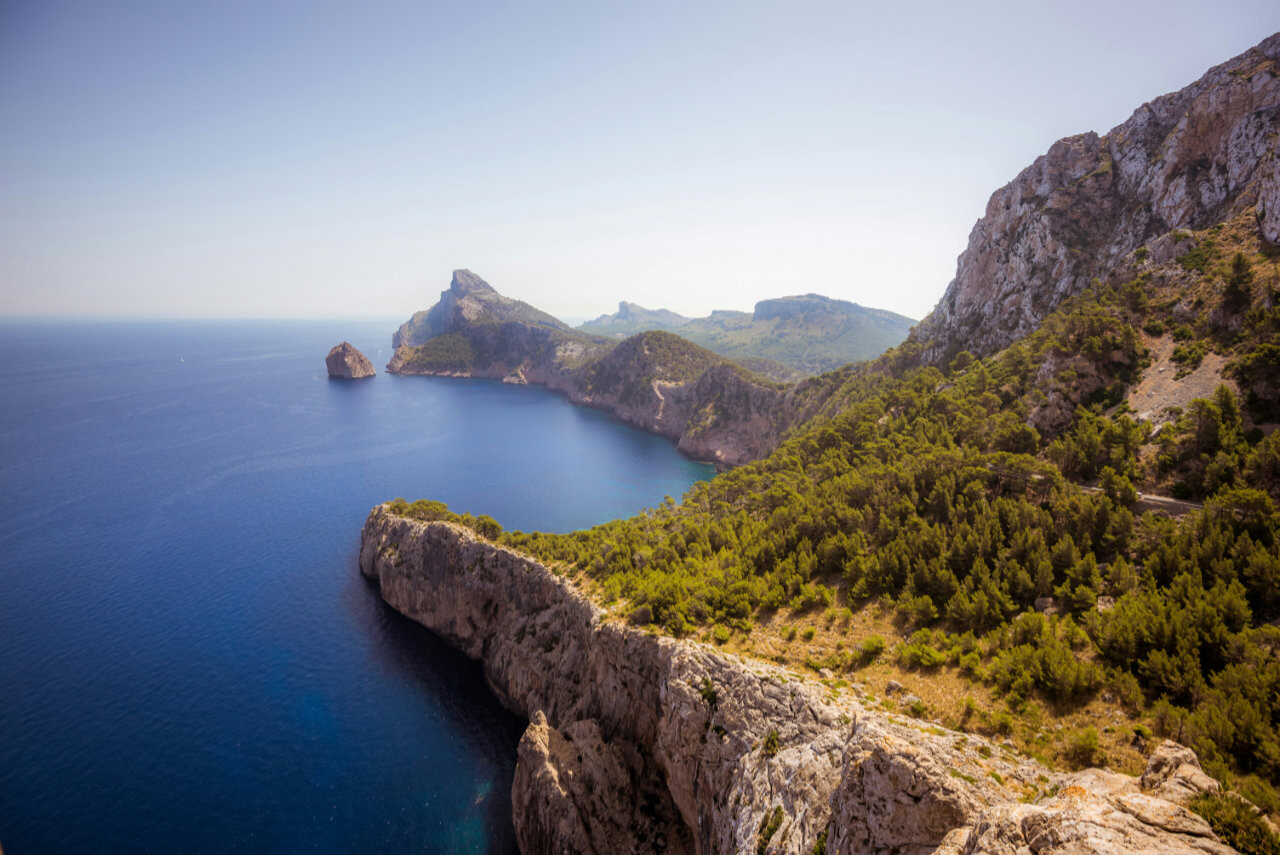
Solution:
(189, 659)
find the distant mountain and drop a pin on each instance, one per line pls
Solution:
(469, 299)
(633, 318)
(782, 338)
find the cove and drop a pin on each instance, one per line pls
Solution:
(190, 659)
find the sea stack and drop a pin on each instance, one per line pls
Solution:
(346, 363)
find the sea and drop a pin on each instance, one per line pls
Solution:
(190, 661)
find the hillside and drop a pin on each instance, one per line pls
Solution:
(805, 335)
(973, 531)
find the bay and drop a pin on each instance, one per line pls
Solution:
(189, 659)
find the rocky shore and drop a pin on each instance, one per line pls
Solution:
(639, 742)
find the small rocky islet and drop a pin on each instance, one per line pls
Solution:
(345, 362)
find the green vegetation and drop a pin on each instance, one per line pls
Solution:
(451, 352)
(1238, 826)
(930, 494)
(772, 822)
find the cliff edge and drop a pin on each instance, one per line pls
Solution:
(639, 742)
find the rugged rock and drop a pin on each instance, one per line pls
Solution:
(725, 755)
(577, 794)
(347, 363)
(1186, 160)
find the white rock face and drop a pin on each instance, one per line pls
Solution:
(642, 743)
(1186, 160)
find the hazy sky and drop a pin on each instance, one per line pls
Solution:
(340, 159)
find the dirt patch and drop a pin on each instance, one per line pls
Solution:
(1160, 389)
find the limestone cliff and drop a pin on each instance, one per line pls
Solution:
(643, 743)
(1186, 160)
(345, 362)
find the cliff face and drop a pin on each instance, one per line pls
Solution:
(644, 743)
(1186, 160)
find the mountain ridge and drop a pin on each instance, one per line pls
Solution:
(1184, 160)
(805, 333)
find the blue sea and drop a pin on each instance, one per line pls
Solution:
(189, 658)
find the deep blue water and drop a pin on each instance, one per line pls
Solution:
(189, 658)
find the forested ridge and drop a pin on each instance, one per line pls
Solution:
(984, 517)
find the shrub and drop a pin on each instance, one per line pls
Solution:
(1233, 821)
(872, 646)
(768, 827)
(1083, 747)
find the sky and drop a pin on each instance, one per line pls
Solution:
(323, 159)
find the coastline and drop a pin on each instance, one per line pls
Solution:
(734, 748)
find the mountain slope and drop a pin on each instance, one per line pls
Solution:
(807, 334)
(1186, 160)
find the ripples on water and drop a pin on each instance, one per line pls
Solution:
(189, 659)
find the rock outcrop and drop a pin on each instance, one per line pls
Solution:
(1186, 160)
(346, 363)
(643, 743)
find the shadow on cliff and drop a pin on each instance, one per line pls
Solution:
(455, 686)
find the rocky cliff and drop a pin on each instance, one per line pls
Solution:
(345, 362)
(1186, 160)
(643, 743)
